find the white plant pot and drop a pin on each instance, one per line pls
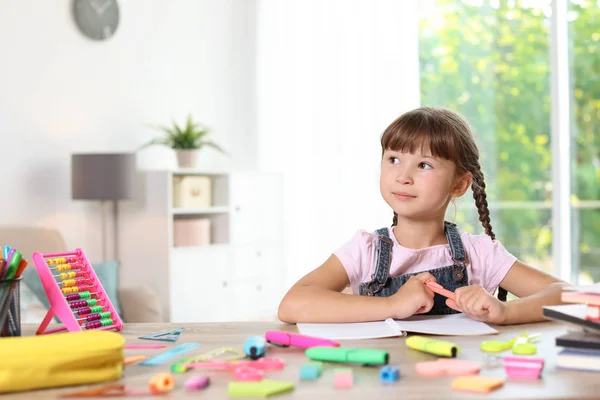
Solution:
(187, 158)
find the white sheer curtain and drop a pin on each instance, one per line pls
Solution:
(331, 75)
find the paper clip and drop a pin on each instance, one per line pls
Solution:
(520, 344)
(232, 354)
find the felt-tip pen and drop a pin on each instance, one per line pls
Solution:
(348, 355)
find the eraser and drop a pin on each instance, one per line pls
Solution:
(197, 382)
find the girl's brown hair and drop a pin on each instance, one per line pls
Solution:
(447, 135)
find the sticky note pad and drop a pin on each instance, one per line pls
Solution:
(444, 366)
(262, 388)
(478, 384)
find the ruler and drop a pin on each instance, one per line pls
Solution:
(170, 354)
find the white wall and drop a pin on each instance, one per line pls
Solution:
(62, 93)
(299, 87)
(331, 75)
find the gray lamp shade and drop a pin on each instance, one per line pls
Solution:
(107, 176)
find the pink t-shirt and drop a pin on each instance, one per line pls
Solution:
(487, 260)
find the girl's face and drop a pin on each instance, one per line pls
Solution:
(418, 185)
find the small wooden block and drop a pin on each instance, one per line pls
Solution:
(478, 384)
(389, 373)
(311, 370)
(343, 378)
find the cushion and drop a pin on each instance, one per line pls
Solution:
(107, 272)
(140, 305)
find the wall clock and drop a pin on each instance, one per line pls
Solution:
(96, 19)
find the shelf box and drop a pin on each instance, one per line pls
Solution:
(192, 191)
(200, 230)
(191, 232)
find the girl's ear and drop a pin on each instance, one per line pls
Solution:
(462, 185)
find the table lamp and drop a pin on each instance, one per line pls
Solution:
(104, 177)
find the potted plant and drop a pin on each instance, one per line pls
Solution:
(186, 140)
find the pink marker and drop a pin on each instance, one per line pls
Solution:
(287, 339)
(145, 346)
(439, 289)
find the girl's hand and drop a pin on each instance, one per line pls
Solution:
(478, 304)
(413, 297)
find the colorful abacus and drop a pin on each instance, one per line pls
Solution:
(75, 293)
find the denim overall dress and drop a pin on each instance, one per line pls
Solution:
(450, 277)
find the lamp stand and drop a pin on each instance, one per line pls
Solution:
(104, 239)
(115, 222)
(116, 229)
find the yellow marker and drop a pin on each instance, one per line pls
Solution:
(432, 346)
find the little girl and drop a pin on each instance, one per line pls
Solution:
(429, 157)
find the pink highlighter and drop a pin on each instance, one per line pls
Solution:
(287, 339)
(439, 289)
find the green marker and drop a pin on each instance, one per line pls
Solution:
(432, 346)
(348, 355)
(11, 269)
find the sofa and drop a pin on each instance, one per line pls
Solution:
(135, 304)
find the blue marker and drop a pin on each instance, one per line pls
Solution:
(5, 252)
(254, 347)
(8, 265)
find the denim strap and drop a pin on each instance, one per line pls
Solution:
(384, 256)
(457, 250)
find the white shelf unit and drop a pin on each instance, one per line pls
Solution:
(240, 275)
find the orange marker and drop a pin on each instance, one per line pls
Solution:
(20, 268)
(133, 360)
(439, 289)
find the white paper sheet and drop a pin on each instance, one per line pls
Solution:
(454, 324)
(594, 288)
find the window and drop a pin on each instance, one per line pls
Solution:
(584, 44)
(490, 61)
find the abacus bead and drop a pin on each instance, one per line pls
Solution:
(93, 325)
(68, 283)
(75, 296)
(106, 321)
(84, 311)
(85, 295)
(78, 304)
(93, 317)
(96, 308)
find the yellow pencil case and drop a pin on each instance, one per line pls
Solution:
(60, 359)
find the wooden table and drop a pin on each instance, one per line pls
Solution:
(555, 384)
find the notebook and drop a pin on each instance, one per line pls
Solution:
(588, 360)
(593, 288)
(573, 314)
(579, 340)
(453, 324)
